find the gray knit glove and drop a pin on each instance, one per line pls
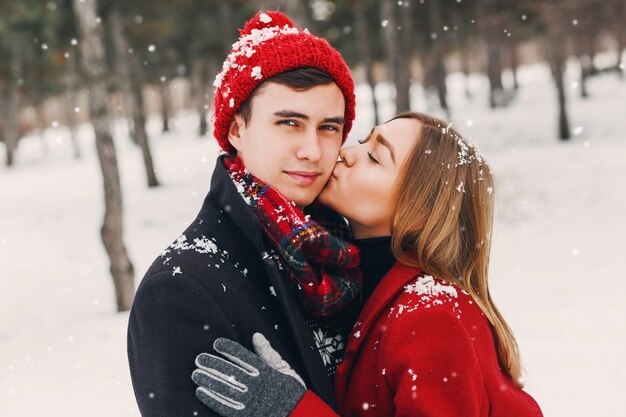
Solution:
(245, 384)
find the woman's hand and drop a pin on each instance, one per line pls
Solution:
(247, 384)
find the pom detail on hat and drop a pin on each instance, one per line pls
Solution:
(264, 20)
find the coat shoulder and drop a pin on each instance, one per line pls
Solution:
(211, 245)
(426, 293)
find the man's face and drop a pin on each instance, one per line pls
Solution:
(292, 139)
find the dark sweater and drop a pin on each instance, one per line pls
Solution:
(331, 334)
(376, 260)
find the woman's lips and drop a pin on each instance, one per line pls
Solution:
(303, 177)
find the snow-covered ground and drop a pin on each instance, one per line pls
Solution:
(557, 264)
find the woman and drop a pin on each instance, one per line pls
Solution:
(429, 341)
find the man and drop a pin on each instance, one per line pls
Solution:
(252, 261)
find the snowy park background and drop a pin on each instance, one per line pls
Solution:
(557, 271)
(558, 259)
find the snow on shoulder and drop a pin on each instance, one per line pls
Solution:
(426, 285)
(426, 292)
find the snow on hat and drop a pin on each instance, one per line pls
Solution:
(270, 44)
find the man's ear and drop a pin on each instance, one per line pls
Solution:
(234, 131)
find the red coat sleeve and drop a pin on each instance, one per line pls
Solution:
(312, 405)
(431, 366)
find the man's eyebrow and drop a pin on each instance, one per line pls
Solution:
(291, 113)
(340, 120)
(381, 139)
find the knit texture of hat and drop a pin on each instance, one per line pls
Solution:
(270, 44)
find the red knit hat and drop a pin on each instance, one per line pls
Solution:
(270, 44)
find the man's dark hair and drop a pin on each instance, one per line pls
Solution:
(298, 79)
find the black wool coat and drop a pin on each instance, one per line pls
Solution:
(217, 279)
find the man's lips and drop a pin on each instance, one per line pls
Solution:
(303, 177)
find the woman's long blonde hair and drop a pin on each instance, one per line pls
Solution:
(443, 218)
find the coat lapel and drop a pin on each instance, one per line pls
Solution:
(387, 290)
(224, 193)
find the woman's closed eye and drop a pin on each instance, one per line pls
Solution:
(371, 156)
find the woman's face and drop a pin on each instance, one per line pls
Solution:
(361, 187)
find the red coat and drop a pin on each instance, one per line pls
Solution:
(421, 347)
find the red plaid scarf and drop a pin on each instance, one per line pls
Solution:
(323, 269)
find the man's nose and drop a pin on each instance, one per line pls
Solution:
(310, 147)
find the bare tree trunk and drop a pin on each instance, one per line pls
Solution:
(40, 121)
(166, 104)
(557, 58)
(585, 51)
(620, 35)
(585, 71)
(438, 71)
(229, 32)
(494, 73)
(407, 49)
(199, 91)
(69, 80)
(564, 130)
(93, 61)
(462, 39)
(130, 80)
(364, 49)
(620, 50)
(266, 4)
(10, 96)
(514, 62)
(296, 10)
(492, 33)
(2, 109)
(9, 114)
(1, 112)
(396, 60)
(619, 66)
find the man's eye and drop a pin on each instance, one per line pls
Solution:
(330, 128)
(288, 122)
(372, 158)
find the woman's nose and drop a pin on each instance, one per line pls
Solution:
(346, 156)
